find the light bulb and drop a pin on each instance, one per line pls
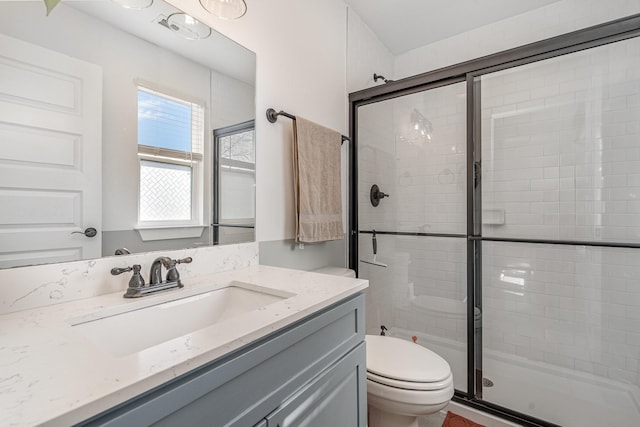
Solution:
(225, 9)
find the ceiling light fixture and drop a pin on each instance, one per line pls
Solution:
(225, 9)
(186, 25)
(134, 4)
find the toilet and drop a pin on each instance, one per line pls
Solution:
(404, 380)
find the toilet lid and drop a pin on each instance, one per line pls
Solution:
(405, 361)
(410, 385)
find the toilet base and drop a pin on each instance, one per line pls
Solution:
(378, 418)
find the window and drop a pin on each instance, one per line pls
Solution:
(170, 148)
(234, 186)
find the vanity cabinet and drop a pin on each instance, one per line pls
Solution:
(331, 399)
(311, 372)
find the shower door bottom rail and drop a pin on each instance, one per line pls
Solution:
(500, 411)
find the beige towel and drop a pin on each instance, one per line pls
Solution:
(317, 188)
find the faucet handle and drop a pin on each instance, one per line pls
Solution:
(170, 263)
(115, 271)
(172, 272)
(136, 282)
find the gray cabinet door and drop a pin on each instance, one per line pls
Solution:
(337, 397)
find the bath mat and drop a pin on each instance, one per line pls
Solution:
(455, 420)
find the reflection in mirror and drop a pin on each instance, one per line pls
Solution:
(234, 183)
(107, 118)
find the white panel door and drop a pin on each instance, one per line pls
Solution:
(50, 155)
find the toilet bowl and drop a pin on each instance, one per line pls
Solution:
(404, 380)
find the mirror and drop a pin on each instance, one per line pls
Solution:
(107, 120)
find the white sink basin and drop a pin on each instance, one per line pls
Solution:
(132, 331)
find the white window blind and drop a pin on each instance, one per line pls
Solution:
(169, 127)
(170, 148)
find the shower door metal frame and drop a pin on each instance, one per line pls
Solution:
(471, 72)
(353, 165)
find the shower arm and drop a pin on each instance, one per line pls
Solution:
(377, 77)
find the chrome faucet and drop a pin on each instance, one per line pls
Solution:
(137, 287)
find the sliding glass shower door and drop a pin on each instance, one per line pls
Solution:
(414, 149)
(560, 221)
(509, 242)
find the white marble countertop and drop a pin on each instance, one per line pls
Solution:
(53, 375)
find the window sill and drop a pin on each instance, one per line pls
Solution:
(170, 232)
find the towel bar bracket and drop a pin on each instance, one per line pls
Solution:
(272, 115)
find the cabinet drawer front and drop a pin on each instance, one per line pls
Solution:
(333, 398)
(242, 388)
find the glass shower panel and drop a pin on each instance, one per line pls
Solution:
(561, 327)
(560, 147)
(420, 293)
(414, 147)
(561, 163)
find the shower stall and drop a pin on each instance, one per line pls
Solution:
(511, 233)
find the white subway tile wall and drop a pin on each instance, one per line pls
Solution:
(572, 306)
(422, 290)
(433, 301)
(560, 148)
(423, 170)
(431, 172)
(560, 160)
(376, 165)
(424, 173)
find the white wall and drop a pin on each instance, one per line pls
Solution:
(232, 101)
(366, 55)
(301, 63)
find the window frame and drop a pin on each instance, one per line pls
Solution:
(192, 159)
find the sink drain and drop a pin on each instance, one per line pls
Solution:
(486, 382)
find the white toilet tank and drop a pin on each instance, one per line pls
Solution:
(336, 271)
